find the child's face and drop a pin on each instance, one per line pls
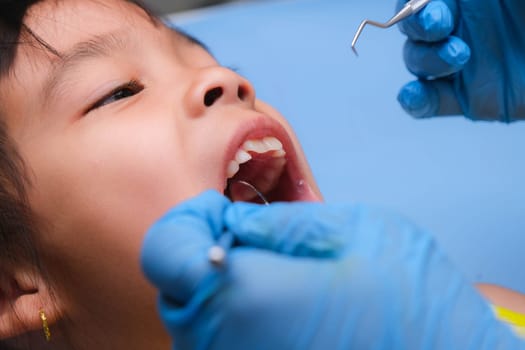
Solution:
(121, 128)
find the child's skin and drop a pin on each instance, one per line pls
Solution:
(503, 297)
(101, 177)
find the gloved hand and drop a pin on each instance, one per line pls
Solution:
(311, 276)
(469, 56)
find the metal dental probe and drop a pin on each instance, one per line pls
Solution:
(410, 8)
(217, 253)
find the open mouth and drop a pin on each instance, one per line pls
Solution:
(263, 172)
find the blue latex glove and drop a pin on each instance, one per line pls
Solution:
(469, 56)
(311, 276)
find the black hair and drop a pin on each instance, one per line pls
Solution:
(17, 223)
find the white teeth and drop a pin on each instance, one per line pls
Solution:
(263, 146)
(279, 153)
(242, 156)
(273, 143)
(254, 146)
(267, 144)
(233, 168)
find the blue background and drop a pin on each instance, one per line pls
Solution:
(461, 180)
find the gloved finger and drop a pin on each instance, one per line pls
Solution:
(437, 59)
(424, 99)
(300, 229)
(175, 250)
(433, 23)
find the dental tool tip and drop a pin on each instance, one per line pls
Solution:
(357, 35)
(217, 255)
(355, 51)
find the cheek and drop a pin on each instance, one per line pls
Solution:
(97, 193)
(109, 184)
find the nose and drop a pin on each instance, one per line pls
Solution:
(215, 86)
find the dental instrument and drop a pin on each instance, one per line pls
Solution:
(217, 253)
(410, 8)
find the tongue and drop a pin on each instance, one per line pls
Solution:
(257, 177)
(243, 191)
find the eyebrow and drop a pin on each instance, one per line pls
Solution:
(98, 46)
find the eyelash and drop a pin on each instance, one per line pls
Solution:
(131, 88)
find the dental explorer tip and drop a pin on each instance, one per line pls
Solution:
(355, 51)
(357, 35)
(217, 255)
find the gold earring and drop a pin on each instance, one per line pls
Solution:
(45, 326)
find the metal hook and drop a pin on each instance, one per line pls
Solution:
(253, 188)
(217, 253)
(409, 9)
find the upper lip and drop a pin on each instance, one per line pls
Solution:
(255, 129)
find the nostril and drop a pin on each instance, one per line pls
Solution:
(212, 96)
(241, 93)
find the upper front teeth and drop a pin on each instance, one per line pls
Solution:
(242, 156)
(263, 146)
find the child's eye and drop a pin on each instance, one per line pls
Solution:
(129, 89)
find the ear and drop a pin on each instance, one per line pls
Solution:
(23, 294)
